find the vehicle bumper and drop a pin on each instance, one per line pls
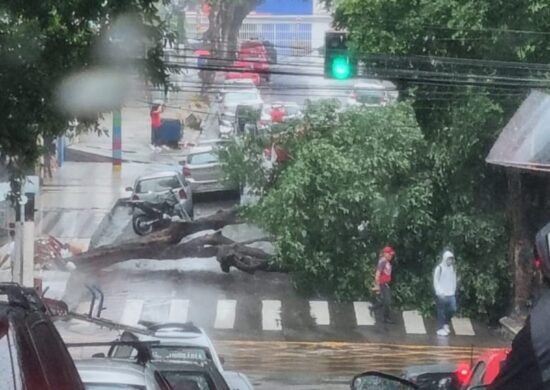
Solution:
(199, 187)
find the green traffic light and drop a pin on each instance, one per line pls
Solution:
(341, 68)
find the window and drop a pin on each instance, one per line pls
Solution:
(478, 374)
(158, 184)
(180, 380)
(237, 97)
(203, 158)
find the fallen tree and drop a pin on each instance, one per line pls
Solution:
(167, 244)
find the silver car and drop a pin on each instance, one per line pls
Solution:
(372, 93)
(229, 99)
(108, 373)
(203, 170)
(151, 187)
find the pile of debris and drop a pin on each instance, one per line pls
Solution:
(49, 250)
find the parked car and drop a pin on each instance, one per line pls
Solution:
(28, 341)
(229, 99)
(246, 72)
(192, 375)
(256, 46)
(187, 343)
(203, 170)
(257, 61)
(429, 376)
(150, 187)
(369, 94)
(101, 373)
(486, 368)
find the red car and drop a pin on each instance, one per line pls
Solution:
(248, 75)
(485, 369)
(254, 59)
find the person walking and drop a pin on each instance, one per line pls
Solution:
(445, 291)
(382, 280)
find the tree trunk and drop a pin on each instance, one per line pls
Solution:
(520, 247)
(168, 245)
(240, 11)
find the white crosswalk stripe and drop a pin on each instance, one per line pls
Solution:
(225, 314)
(68, 223)
(362, 314)
(271, 315)
(132, 312)
(463, 326)
(319, 312)
(414, 323)
(178, 310)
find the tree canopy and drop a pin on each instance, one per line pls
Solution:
(468, 65)
(358, 180)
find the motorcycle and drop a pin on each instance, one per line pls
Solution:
(156, 215)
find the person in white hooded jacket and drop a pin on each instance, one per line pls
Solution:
(445, 291)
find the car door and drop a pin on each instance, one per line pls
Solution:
(205, 167)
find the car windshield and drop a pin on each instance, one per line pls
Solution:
(203, 158)
(238, 97)
(158, 184)
(369, 96)
(181, 380)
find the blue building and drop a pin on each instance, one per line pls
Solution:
(285, 7)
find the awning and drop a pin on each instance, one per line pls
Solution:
(525, 141)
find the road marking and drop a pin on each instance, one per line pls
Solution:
(132, 312)
(271, 315)
(362, 313)
(225, 314)
(178, 310)
(319, 312)
(463, 326)
(414, 323)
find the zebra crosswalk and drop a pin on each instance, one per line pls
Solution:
(68, 223)
(274, 317)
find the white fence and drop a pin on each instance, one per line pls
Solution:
(291, 35)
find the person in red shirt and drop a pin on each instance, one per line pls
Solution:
(382, 280)
(156, 110)
(277, 114)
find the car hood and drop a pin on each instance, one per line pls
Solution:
(237, 381)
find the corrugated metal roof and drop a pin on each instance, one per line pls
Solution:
(525, 140)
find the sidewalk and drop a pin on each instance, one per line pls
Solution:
(136, 139)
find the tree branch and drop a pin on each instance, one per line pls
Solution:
(167, 245)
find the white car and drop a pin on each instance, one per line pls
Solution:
(107, 373)
(191, 339)
(229, 99)
(150, 187)
(372, 93)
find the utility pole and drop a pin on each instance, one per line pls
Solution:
(117, 140)
(23, 262)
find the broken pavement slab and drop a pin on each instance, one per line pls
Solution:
(512, 325)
